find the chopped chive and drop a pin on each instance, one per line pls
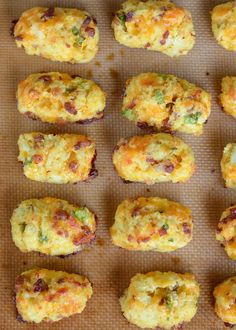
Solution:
(192, 119)
(165, 226)
(75, 31)
(28, 161)
(42, 238)
(129, 114)
(81, 214)
(159, 96)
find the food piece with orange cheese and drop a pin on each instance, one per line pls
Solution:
(166, 103)
(228, 165)
(156, 25)
(226, 231)
(49, 295)
(52, 226)
(225, 297)
(151, 224)
(55, 97)
(160, 300)
(57, 158)
(227, 97)
(58, 34)
(154, 158)
(223, 17)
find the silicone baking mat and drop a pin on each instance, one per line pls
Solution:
(108, 267)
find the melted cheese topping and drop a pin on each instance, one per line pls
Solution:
(154, 25)
(228, 165)
(166, 103)
(52, 226)
(58, 34)
(228, 95)
(152, 223)
(154, 158)
(226, 231)
(49, 295)
(224, 24)
(65, 158)
(160, 299)
(58, 98)
(225, 296)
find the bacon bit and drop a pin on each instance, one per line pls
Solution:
(46, 79)
(94, 21)
(37, 158)
(147, 45)
(130, 238)
(144, 125)
(68, 46)
(162, 232)
(218, 230)
(18, 38)
(166, 127)
(129, 161)
(33, 94)
(129, 16)
(132, 104)
(230, 217)
(61, 215)
(197, 94)
(56, 91)
(73, 222)
(86, 21)
(63, 233)
(169, 168)
(164, 37)
(61, 280)
(135, 212)
(84, 237)
(19, 281)
(73, 166)
(38, 140)
(162, 301)
(70, 108)
(48, 14)
(143, 239)
(61, 122)
(186, 228)
(82, 144)
(151, 160)
(228, 325)
(90, 31)
(62, 290)
(40, 285)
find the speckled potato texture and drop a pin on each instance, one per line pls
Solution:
(226, 231)
(223, 18)
(227, 97)
(228, 165)
(162, 300)
(52, 226)
(58, 34)
(151, 224)
(59, 98)
(166, 103)
(154, 25)
(225, 296)
(154, 158)
(57, 158)
(49, 295)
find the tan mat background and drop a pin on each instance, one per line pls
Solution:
(108, 267)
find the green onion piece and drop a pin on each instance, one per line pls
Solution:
(159, 96)
(129, 114)
(165, 226)
(75, 31)
(193, 118)
(28, 161)
(42, 238)
(81, 214)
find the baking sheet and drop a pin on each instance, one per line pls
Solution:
(108, 267)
